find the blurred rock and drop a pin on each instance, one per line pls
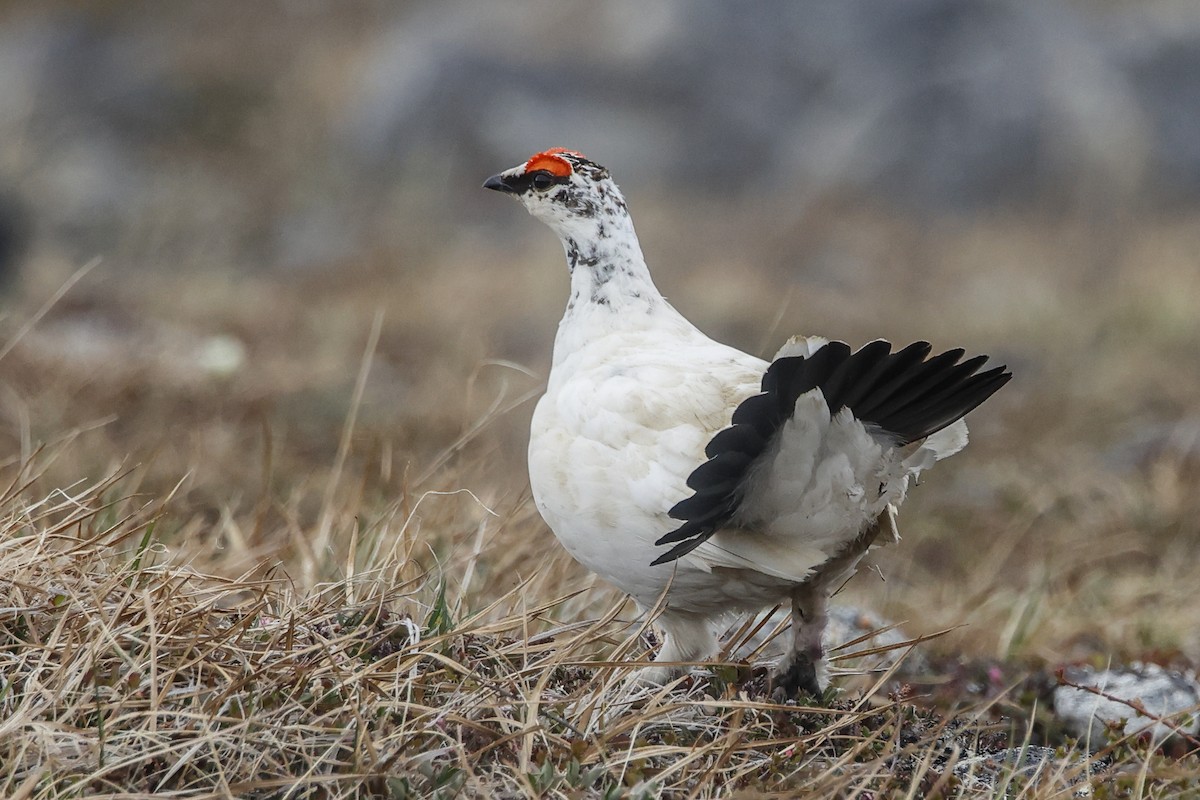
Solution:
(15, 233)
(936, 104)
(111, 348)
(220, 356)
(109, 115)
(182, 135)
(1176, 442)
(1159, 49)
(1028, 765)
(1161, 692)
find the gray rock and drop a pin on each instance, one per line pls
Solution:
(935, 104)
(1161, 692)
(1177, 442)
(846, 624)
(1158, 48)
(133, 135)
(1027, 765)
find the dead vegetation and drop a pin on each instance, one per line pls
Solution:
(125, 676)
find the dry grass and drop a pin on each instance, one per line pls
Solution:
(124, 677)
(319, 575)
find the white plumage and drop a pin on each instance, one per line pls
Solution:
(788, 503)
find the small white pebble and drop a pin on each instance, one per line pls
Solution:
(221, 355)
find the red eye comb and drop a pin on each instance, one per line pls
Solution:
(551, 162)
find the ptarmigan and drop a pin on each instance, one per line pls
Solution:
(683, 470)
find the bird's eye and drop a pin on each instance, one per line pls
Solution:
(542, 181)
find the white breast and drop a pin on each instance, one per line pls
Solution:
(623, 423)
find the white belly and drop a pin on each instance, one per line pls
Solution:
(607, 504)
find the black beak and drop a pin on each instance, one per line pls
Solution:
(498, 183)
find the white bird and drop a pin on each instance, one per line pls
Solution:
(688, 473)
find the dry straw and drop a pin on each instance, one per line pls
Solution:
(122, 676)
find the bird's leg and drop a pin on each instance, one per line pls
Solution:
(687, 637)
(801, 669)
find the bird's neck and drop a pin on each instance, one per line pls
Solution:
(611, 294)
(608, 272)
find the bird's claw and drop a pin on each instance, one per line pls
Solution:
(795, 676)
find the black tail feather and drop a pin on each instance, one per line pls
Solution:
(905, 395)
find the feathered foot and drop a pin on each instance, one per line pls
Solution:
(803, 668)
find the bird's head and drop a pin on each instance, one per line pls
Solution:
(560, 187)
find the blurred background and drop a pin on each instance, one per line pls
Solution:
(227, 194)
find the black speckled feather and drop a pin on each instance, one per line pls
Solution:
(905, 395)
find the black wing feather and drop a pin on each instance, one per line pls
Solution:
(738, 439)
(760, 412)
(855, 376)
(906, 395)
(907, 387)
